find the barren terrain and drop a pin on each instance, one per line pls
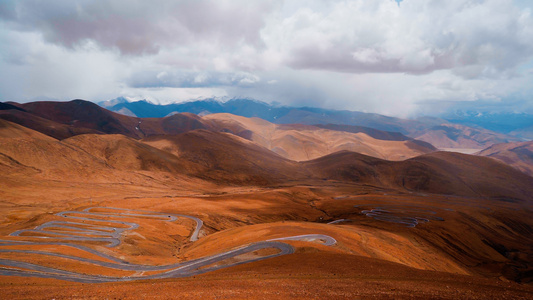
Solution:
(107, 215)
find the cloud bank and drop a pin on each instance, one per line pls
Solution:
(384, 56)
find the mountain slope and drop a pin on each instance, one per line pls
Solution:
(16, 131)
(43, 125)
(518, 155)
(502, 122)
(439, 173)
(372, 132)
(83, 114)
(124, 153)
(440, 131)
(62, 120)
(226, 158)
(459, 136)
(304, 142)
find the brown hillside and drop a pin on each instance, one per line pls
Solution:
(459, 136)
(83, 114)
(226, 157)
(175, 124)
(476, 226)
(439, 173)
(518, 155)
(13, 130)
(375, 133)
(304, 142)
(49, 157)
(42, 125)
(124, 153)
(66, 119)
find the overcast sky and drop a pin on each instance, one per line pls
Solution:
(386, 56)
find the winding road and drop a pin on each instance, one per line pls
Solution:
(101, 229)
(406, 215)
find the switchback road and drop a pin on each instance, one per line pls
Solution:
(99, 224)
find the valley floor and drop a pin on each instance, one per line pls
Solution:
(452, 254)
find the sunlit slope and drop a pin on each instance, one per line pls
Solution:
(305, 142)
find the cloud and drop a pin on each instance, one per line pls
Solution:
(191, 79)
(31, 68)
(487, 37)
(385, 56)
(139, 27)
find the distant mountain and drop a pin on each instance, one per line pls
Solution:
(141, 119)
(227, 159)
(272, 113)
(437, 131)
(241, 107)
(63, 120)
(304, 142)
(518, 155)
(459, 136)
(502, 122)
(525, 133)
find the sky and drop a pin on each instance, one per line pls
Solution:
(398, 58)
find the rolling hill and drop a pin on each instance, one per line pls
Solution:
(460, 136)
(442, 133)
(304, 142)
(518, 155)
(226, 158)
(66, 119)
(445, 173)
(62, 120)
(471, 212)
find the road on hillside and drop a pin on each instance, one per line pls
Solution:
(93, 225)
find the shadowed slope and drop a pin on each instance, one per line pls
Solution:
(13, 130)
(439, 173)
(518, 155)
(66, 119)
(227, 158)
(45, 126)
(175, 124)
(123, 153)
(83, 114)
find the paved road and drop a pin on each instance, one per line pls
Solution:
(407, 215)
(325, 239)
(339, 221)
(104, 229)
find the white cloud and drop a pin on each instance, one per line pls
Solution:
(359, 54)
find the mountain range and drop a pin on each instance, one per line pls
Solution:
(442, 133)
(238, 149)
(382, 195)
